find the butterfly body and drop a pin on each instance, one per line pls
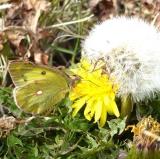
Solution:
(37, 88)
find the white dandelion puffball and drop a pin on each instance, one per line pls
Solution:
(130, 48)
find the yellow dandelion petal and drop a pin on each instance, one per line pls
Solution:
(98, 110)
(92, 110)
(88, 109)
(85, 64)
(78, 105)
(73, 96)
(96, 90)
(107, 102)
(115, 109)
(111, 106)
(83, 67)
(77, 92)
(103, 116)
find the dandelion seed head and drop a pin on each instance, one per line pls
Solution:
(130, 48)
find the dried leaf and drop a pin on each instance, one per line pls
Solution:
(16, 39)
(35, 8)
(14, 16)
(93, 3)
(156, 21)
(1, 34)
(103, 9)
(4, 1)
(27, 14)
(41, 58)
(5, 6)
(7, 123)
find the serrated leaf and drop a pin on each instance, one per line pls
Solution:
(92, 141)
(116, 126)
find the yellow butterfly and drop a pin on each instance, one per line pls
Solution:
(37, 88)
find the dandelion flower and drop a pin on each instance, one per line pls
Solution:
(95, 91)
(130, 48)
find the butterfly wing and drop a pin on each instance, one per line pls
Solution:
(23, 73)
(38, 88)
(39, 97)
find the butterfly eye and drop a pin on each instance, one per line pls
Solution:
(43, 72)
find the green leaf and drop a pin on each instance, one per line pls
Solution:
(35, 151)
(92, 141)
(117, 126)
(12, 141)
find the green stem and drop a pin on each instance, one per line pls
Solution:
(126, 106)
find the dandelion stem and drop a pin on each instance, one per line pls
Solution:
(126, 106)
